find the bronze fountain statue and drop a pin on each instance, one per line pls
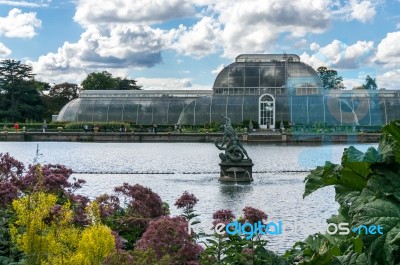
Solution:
(236, 165)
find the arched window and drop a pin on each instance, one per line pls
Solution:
(267, 112)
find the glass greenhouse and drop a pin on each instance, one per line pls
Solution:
(267, 88)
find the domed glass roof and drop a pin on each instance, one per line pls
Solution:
(284, 73)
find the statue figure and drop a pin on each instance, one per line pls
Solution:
(234, 150)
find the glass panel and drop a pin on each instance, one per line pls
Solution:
(250, 108)
(176, 107)
(252, 77)
(145, 112)
(273, 75)
(218, 107)
(203, 110)
(392, 109)
(160, 111)
(115, 111)
(299, 110)
(315, 110)
(100, 110)
(130, 110)
(281, 110)
(235, 109)
(222, 78)
(236, 77)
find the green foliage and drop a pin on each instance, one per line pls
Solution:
(370, 83)
(111, 126)
(105, 81)
(45, 232)
(43, 238)
(234, 249)
(148, 256)
(95, 245)
(246, 123)
(367, 187)
(19, 98)
(330, 78)
(58, 96)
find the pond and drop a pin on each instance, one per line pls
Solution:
(169, 169)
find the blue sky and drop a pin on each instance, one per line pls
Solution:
(181, 44)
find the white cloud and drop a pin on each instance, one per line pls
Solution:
(169, 84)
(89, 12)
(361, 10)
(389, 80)
(389, 50)
(123, 34)
(352, 83)
(41, 3)
(118, 46)
(314, 46)
(19, 25)
(4, 51)
(200, 40)
(339, 55)
(254, 26)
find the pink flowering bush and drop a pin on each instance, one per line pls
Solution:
(143, 231)
(187, 201)
(14, 183)
(169, 236)
(109, 205)
(223, 216)
(10, 174)
(142, 203)
(253, 215)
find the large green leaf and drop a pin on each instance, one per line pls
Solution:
(351, 175)
(352, 258)
(386, 213)
(387, 149)
(353, 155)
(392, 130)
(316, 249)
(321, 177)
(385, 182)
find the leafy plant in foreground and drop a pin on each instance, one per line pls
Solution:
(229, 249)
(367, 187)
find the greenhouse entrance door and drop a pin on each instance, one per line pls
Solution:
(267, 112)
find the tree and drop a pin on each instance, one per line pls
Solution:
(330, 78)
(58, 96)
(105, 81)
(99, 81)
(127, 84)
(370, 83)
(19, 96)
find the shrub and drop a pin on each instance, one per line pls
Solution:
(168, 236)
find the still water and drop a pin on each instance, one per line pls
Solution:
(277, 188)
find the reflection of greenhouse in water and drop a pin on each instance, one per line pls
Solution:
(264, 88)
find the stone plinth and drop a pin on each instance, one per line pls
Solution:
(236, 171)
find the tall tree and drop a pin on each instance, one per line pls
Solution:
(99, 81)
(370, 83)
(58, 96)
(19, 96)
(105, 81)
(330, 78)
